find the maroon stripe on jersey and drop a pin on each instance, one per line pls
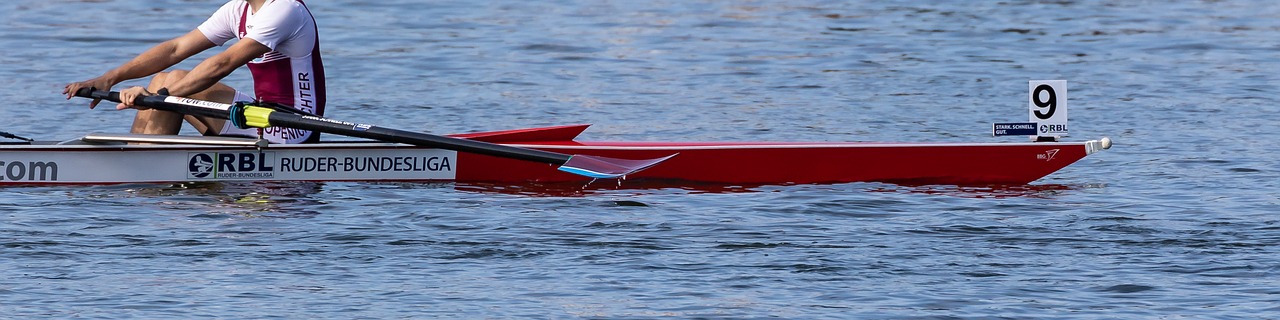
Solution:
(275, 80)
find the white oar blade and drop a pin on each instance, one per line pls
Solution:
(605, 167)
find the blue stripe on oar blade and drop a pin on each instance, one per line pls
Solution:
(605, 167)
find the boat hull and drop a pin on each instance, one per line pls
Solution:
(745, 163)
(953, 164)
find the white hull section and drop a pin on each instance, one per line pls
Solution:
(132, 164)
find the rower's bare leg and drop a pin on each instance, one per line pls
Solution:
(155, 121)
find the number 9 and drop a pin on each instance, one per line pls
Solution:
(1051, 103)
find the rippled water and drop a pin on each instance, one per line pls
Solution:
(1177, 221)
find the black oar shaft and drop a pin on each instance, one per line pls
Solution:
(415, 138)
(288, 120)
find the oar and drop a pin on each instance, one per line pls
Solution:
(249, 116)
(14, 136)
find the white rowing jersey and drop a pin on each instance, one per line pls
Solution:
(292, 73)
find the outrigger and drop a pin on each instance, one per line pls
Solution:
(547, 154)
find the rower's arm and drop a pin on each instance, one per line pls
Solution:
(160, 57)
(213, 69)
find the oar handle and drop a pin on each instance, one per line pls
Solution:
(93, 93)
(200, 108)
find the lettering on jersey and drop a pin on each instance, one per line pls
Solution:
(366, 164)
(28, 171)
(288, 134)
(231, 165)
(305, 96)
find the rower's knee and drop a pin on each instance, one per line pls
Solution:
(167, 78)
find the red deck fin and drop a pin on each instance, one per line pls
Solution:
(541, 134)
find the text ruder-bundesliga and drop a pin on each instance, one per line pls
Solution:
(241, 165)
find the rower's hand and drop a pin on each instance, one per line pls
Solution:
(100, 83)
(131, 95)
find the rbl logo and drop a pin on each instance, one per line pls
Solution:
(230, 165)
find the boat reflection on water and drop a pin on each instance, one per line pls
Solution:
(578, 189)
(993, 191)
(248, 198)
(294, 199)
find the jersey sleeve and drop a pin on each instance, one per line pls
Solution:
(221, 26)
(275, 24)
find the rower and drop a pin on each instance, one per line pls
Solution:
(286, 67)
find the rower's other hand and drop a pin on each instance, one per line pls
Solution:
(130, 96)
(96, 83)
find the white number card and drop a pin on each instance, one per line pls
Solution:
(1048, 107)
